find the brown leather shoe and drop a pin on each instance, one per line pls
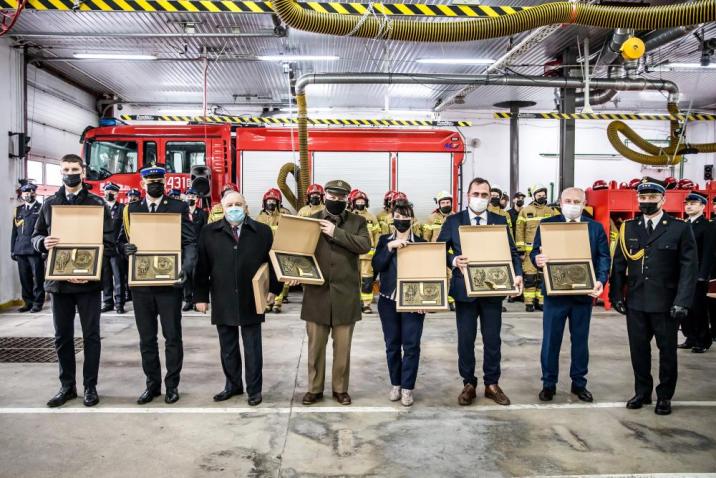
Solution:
(342, 398)
(311, 398)
(468, 395)
(494, 392)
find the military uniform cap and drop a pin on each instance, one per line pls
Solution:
(694, 196)
(28, 187)
(153, 171)
(111, 187)
(191, 191)
(650, 185)
(338, 186)
(134, 192)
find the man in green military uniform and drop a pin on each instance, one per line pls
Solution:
(271, 215)
(314, 201)
(359, 205)
(527, 224)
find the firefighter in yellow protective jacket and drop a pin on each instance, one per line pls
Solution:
(496, 207)
(314, 201)
(270, 215)
(432, 227)
(217, 211)
(385, 216)
(359, 204)
(527, 224)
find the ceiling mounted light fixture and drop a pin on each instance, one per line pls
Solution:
(689, 66)
(456, 61)
(114, 56)
(297, 58)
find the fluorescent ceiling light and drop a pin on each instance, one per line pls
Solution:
(457, 61)
(297, 58)
(688, 66)
(113, 56)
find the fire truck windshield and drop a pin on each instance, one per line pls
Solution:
(105, 158)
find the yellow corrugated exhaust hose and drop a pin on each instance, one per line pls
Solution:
(655, 156)
(286, 169)
(377, 26)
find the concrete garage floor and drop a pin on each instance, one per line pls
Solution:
(373, 437)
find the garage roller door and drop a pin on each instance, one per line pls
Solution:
(259, 170)
(421, 176)
(369, 172)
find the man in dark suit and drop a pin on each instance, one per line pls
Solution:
(112, 266)
(696, 325)
(576, 308)
(199, 218)
(469, 309)
(30, 265)
(652, 283)
(73, 296)
(163, 302)
(230, 253)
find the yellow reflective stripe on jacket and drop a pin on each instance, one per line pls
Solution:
(125, 220)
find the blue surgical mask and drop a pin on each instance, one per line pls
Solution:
(235, 214)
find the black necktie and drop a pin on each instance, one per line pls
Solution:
(153, 207)
(71, 198)
(235, 230)
(649, 227)
(477, 220)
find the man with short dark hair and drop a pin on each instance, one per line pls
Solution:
(199, 218)
(74, 295)
(30, 265)
(112, 266)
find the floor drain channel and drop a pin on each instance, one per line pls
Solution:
(31, 349)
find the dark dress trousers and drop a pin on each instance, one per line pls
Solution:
(402, 331)
(224, 271)
(575, 308)
(69, 298)
(696, 325)
(198, 219)
(30, 264)
(664, 277)
(163, 302)
(113, 292)
(469, 309)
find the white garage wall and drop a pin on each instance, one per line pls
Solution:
(259, 170)
(421, 176)
(11, 62)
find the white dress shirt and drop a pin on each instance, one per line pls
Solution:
(654, 220)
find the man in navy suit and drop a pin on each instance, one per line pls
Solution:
(469, 309)
(576, 308)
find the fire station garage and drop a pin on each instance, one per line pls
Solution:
(413, 238)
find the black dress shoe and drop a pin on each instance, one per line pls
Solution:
(529, 308)
(148, 396)
(255, 400)
(62, 397)
(120, 309)
(25, 308)
(583, 394)
(35, 309)
(227, 393)
(686, 344)
(187, 307)
(172, 395)
(91, 398)
(311, 398)
(698, 350)
(547, 394)
(637, 401)
(663, 407)
(452, 306)
(539, 307)
(107, 308)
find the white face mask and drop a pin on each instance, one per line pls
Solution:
(478, 205)
(572, 211)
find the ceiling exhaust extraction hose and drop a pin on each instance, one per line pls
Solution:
(638, 18)
(286, 169)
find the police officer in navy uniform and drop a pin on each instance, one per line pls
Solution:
(29, 262)
(134, 195)
(696, 325)
(113, 294)
(160, 302)
(199, 218)
(652, 283)
(73, 296)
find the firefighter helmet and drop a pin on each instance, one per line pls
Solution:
(274, 194)
(537, 188)
(398, 196)
(442, 195)
(685, 184)
(357, 194)
(388, 198)
(623, 185)
(599, 184)
(634, 183)
(228, 187)
(670, 182)
(315, 189)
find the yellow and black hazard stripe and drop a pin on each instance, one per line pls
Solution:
(257, 120)
(214, 6)
(610, 116)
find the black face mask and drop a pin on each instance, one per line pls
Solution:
(519, 203)
(271, 206)
(71, 180)
(402, 225)
(191, 202)
(541, 201)
(109, 197)
(314, 200)
(649, 208)
(335, 207)
(495, 201)
(29, 198)
(446, 209)
(134, 199)
(360, 207)
(155, 190)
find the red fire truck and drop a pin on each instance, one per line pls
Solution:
(417, 162)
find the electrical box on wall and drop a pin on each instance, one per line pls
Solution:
(19, 145)
(709, 172)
